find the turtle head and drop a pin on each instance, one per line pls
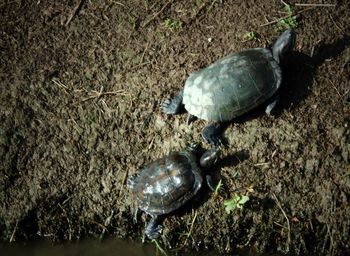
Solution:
(284, 44)
(209, 157)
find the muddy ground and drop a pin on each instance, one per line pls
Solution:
(80, 88)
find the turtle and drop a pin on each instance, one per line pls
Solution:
(232, 86)
(166, 184)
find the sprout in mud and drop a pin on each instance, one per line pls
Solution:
(236, 202)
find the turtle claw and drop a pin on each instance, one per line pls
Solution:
(171, 107)
(167, 108)
(213, 140)
(212, 134)
(155, 232)
(154, 229)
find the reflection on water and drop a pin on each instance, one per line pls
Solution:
(114, 247)
(88, 248)
(111, 246)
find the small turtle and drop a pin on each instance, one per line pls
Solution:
(168, 183)
(232, 86)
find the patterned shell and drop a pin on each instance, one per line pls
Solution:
(233, 85)
(167, 183)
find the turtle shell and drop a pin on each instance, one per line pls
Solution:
(167, 183)
(233, 85)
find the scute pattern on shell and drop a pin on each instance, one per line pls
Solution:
(167, 183)
(233, 85)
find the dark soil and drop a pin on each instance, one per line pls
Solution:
(80, 88)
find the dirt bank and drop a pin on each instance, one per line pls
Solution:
(80, 89)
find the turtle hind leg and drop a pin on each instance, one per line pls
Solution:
(271, 105)
(210, 182)
(173, 106)
(154, 227)
(212, 133)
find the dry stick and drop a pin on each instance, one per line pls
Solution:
(103, 227)
(211, 6)
(199, 9)
(100, 94)
(144, 51)
(335, 88)
(330, 238)
(69, 223)
(191, 228)
(316, 5)
(106, 224)
(13, 233)
(263, 163)
(336, 25)
(119, 3)
(61, 85)
(285, 216)
(283, 2)
(156, 14)
(75, 12)
(123, 182)
(285, 17)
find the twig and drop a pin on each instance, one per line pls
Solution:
(285, 216)
(274, 153)
(263, 163)
(118, 3)
(140, 65)
(191, 228)
(75, 12)
(211, 6)
(199, 9)
(103, 227)
(331, 239)
(107, 222)
(123, 182)
(159, 247)
(143, 54)
(13, 233)
(69, 223)
(96, 94)
(337, 26)
(151, 143)
(316, 5)
(285, 17)
(285, 4)
(61, 85)
(156, 14)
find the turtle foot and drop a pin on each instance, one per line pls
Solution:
(212, 134)
(155, 232)
(154, 227)
(172, 106)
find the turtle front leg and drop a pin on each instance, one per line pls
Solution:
(173, 106)
(154, 227)
(271, 104)
(212, 133)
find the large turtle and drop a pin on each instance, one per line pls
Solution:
(232, 86)
(168, 183)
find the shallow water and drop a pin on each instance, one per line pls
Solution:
(112, 246)
(88, 248)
